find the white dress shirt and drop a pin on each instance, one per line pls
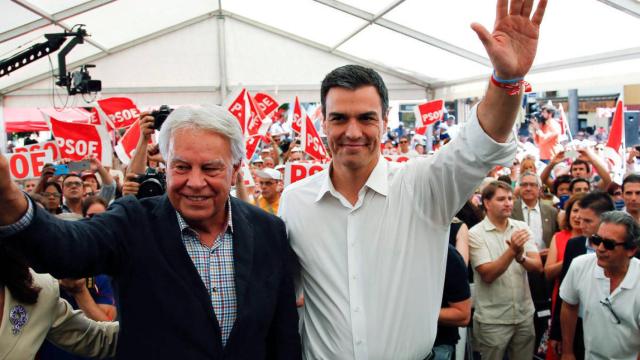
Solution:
(533, 218)
(372, 274)
(586, 284)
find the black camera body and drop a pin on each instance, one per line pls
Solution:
(160, 115)
(152, 183)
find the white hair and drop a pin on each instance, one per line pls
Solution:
(205, 117)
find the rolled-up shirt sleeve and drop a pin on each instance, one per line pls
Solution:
(25, 220)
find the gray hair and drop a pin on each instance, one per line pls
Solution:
(529, 173)
(632, 235)
(206, 117)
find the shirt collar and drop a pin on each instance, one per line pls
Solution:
(183, 223)
(536, 208)
(630, 277)
(377, 180)
(488, 225)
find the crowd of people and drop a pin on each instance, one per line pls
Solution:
(528, 242)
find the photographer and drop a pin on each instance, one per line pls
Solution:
(545, 132)
(138, 170)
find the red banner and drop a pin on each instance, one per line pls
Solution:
(76, 141)
(311, 141)
(427, 114)
(128, 142)
(251, 144)
(297, 171)
(239, 109)
(266, 103)
(296, 124)
(116, 112)
(28, 165)
(44, 146)
(256, 117)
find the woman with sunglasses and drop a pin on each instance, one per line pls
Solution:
(53, 197)
(32, 310)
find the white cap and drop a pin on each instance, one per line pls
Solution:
(269, 173)
(296, 149)
(278, 167)
(257, 160)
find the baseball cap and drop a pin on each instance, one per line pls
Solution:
(257, 160)
(269, 174)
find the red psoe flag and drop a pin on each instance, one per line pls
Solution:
(116, 112)
(76, 141)
(266, 103)
(311, 141)
(427, 114)
(128, 142)
(614, 150)
(239, 109)
(298, 115)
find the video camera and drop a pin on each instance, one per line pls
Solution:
(152, 183)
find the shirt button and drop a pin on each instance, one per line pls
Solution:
(356, 309)
(359, 342)
(354, 277)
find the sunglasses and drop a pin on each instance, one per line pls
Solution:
(404, 142)
(607, 243)
(48, 194)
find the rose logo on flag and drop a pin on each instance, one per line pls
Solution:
(18, 318)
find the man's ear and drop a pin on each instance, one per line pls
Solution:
(234, 176)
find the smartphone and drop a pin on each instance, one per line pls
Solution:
(571, 154)
(59, 170)
(79, 166)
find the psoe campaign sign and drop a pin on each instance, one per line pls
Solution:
(296, 171)
(43, 146)
(28, 165)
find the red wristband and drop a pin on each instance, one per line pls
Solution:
(512, 88)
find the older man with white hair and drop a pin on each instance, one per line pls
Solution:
(201, 275)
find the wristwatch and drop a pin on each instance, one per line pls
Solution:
(521, 259)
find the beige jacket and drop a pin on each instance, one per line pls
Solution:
(53, 318)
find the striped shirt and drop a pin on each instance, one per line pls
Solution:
(215, 266)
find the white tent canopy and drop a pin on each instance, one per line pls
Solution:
(199, 51)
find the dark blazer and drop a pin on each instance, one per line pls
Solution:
(548, 214)
(165, 309)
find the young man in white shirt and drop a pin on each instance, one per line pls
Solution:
(605, 288)
(370, 235)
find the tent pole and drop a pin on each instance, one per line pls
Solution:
(222, 58)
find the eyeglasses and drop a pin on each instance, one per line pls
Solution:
(607, 303)
(73, 183)
(403, 142)
(526, 184)
(608, 243)
(49, 194)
